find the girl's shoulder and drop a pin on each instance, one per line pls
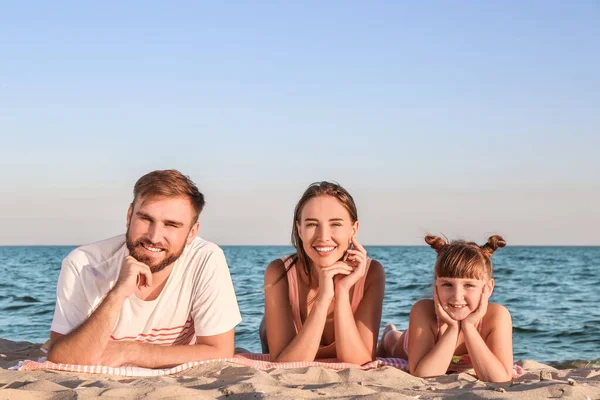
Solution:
(423, 314)
(497, 316)
(423, 307)
(496, 311)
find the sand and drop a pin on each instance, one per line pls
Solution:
(232, 381)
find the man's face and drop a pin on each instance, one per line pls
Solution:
(158, 228)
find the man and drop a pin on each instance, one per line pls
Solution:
(157, 296)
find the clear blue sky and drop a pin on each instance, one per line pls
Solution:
(459, 117)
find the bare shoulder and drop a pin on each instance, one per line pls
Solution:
(496, 310)
(422, 314)
(376, 273)
(496, 314)
(274, 271)
(423, 307)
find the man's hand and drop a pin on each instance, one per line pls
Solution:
(134, 274)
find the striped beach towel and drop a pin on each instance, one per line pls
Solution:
(258, 361)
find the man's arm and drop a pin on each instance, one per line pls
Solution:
(156, 356)
(86, 344)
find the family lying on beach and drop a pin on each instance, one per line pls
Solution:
(160, 296)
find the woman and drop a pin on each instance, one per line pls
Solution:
(325, 300)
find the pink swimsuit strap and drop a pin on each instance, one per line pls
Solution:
(292, 276)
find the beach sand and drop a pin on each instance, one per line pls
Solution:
(232, 381)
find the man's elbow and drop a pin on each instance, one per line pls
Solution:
(53, 356)
(224, 351)
(227, 352)
(59, 355)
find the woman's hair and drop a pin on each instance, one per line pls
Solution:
(317, 189)
(461, 259)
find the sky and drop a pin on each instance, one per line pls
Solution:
(461, 118)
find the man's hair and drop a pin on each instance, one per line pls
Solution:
(169, 183)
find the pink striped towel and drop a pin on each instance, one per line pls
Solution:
(258, 361)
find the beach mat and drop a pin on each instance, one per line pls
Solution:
(257, 361)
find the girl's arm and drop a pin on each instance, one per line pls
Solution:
(492, 358)
(284, 343)
(356, 334)
(426, 357)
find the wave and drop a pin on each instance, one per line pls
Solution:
(26, 299)
(570, 364)
(517, 329)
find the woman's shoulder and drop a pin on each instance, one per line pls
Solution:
(375, 272)
(276, 269)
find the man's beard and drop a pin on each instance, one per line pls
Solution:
(138, 254)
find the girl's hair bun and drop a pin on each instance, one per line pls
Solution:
(436, 243)
(494, 243)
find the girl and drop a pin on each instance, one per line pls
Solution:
(325, 300)
(457, 330)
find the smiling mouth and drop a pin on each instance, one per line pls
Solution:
(457, 306)
(324, 250)
(151, 248)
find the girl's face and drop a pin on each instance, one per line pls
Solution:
(325, 229)
(459, 297)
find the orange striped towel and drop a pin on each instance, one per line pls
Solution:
(258, 361)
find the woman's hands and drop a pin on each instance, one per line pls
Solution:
(326, 280)
(356, 259)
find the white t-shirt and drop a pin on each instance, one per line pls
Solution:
(197, 300)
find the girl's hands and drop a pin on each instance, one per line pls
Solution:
(357, 260)
(441, 313)
(481, 310)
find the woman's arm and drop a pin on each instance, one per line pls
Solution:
(284, 343)
(426, 357)
(492, 358)
(356, 334)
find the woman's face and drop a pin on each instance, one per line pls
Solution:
(459, 297)
(325, 228)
